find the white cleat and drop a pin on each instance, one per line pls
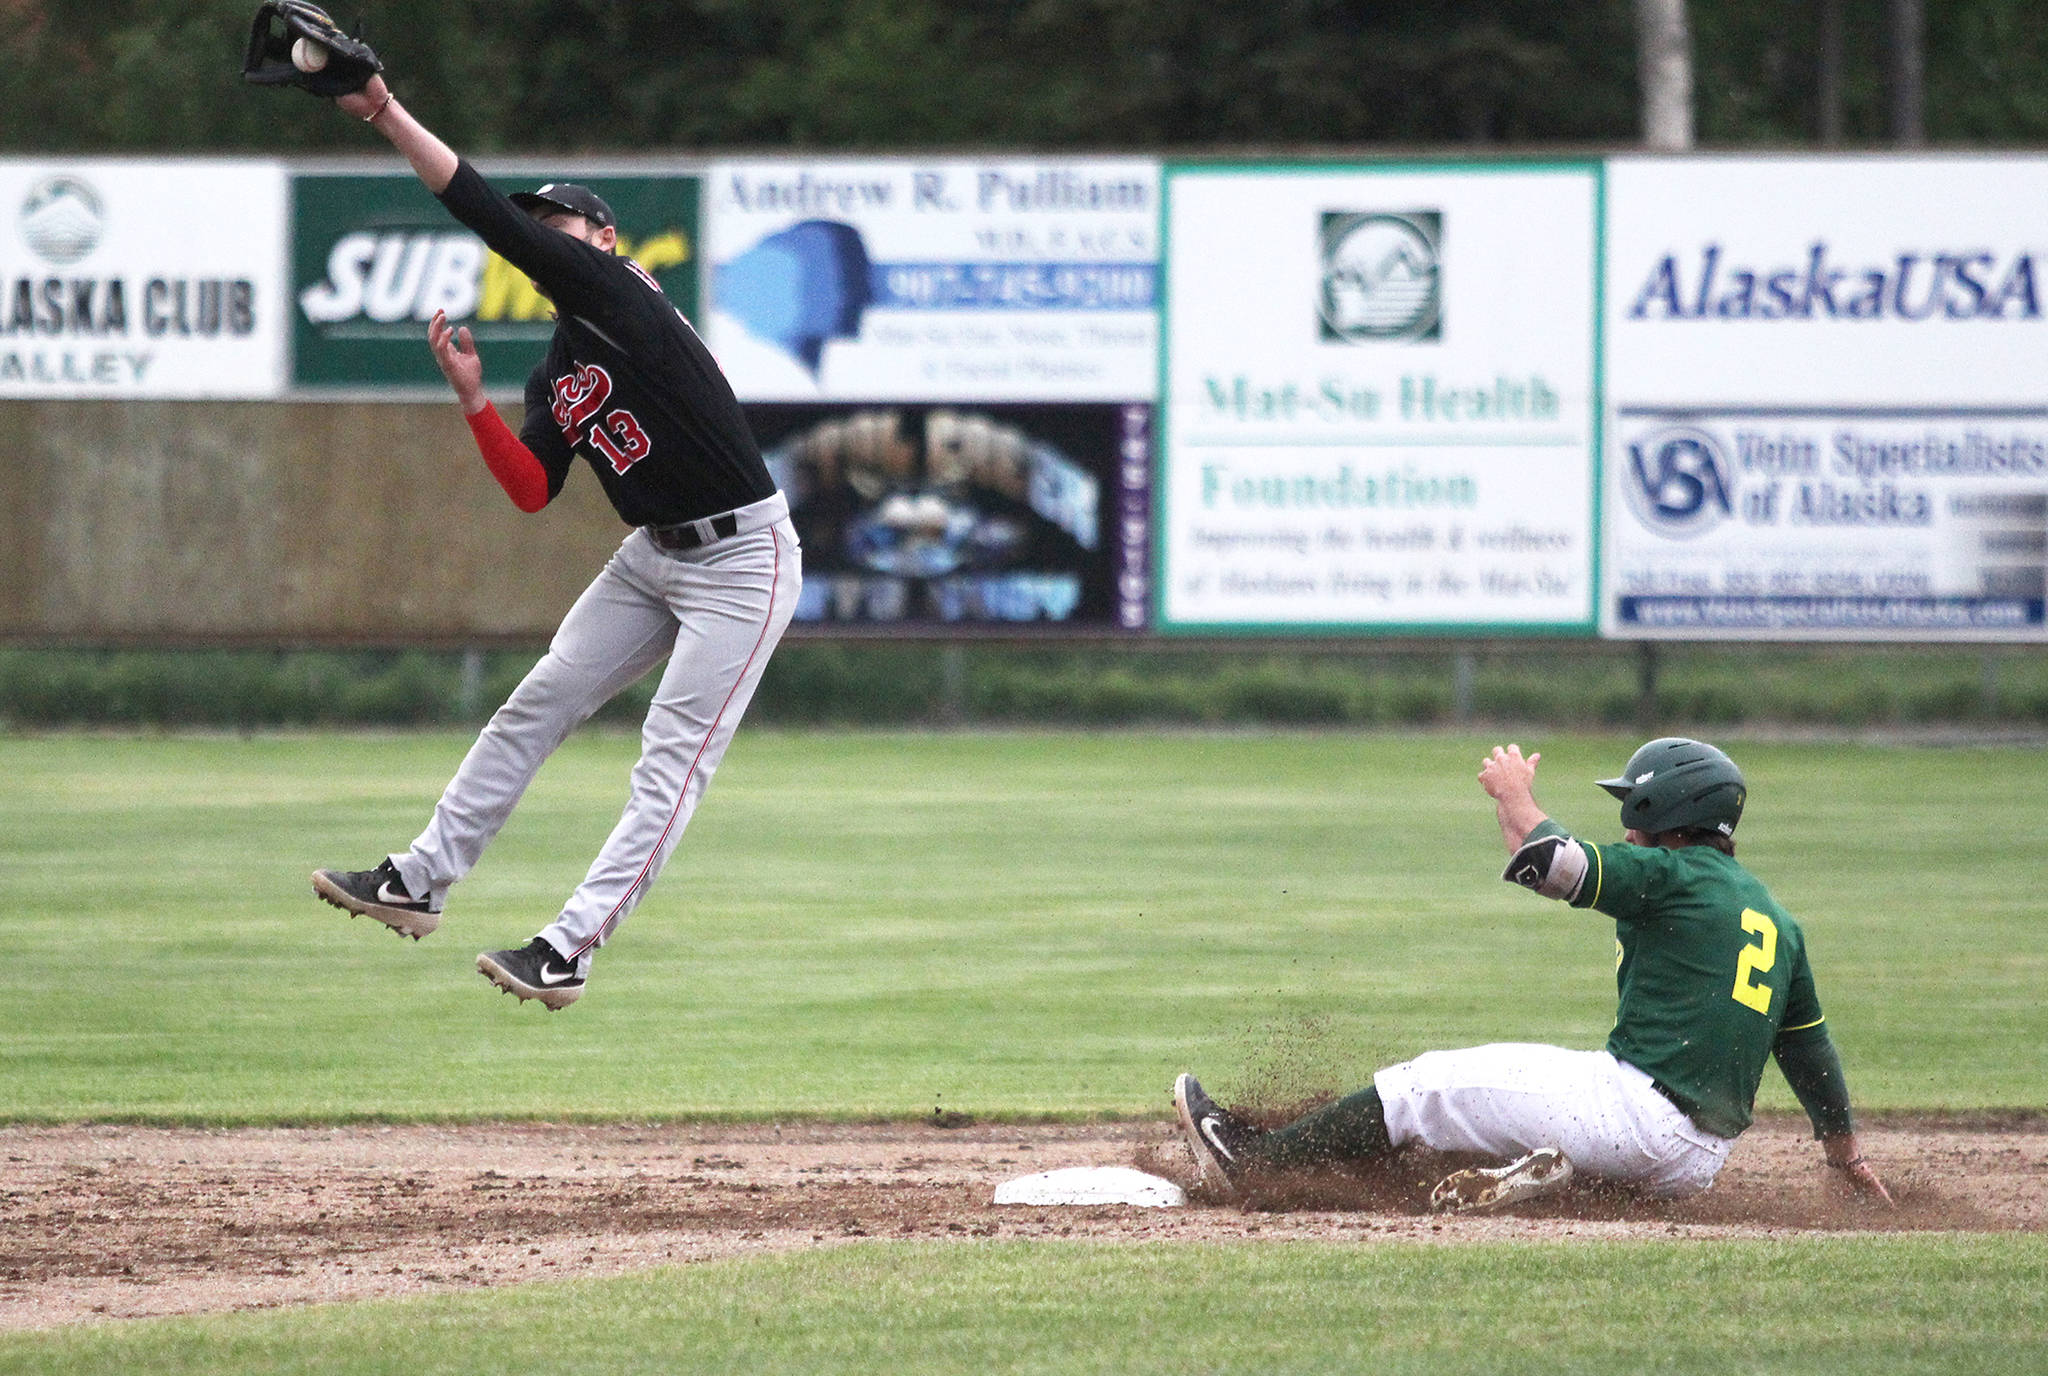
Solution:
(1480, 1190)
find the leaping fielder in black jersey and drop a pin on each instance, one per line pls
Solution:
(1713, 982)
(707, 580)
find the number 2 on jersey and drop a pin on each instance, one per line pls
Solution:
(1756, 960)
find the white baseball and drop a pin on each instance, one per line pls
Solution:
(307, 55)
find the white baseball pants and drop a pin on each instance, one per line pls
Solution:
(1512, 1098)
(715, 613)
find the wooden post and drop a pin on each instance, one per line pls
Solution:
(1646, 684)
(1664, 70)
(1828, 84)
(469, 688)
(1909, 74)
(952, 685)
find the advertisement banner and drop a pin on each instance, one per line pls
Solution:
(1000, 516)
(373, 257)
(1787, 524)
(1829, 420)
(1380, 398)
(1006, 280)
(131, 279)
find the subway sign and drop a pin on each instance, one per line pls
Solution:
(374, 257)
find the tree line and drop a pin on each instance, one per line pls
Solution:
(162, 76)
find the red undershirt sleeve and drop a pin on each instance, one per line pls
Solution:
(510, 461)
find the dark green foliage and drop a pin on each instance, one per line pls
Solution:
(849, 684)
(1757, 64)
(824, 683)
(635, 75)
(165, 76)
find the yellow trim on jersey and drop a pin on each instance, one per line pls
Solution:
(1599, 872)
(1803, 1026)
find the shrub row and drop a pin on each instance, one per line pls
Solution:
(1559, 684)
(908, 684)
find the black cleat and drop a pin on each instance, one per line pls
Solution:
(1217, 1136)
(381, 894)
(534, 971)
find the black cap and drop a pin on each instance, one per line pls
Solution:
(566, 198)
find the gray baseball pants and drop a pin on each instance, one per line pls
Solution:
(715, 613)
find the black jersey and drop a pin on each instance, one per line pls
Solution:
(626, 382)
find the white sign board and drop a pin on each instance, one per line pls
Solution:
(1829, 416)
(934, 280)
(1379, 403)
(132, 279)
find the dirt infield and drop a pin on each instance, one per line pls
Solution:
(119, 1222)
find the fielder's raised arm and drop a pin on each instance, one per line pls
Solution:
(523, 476)
(433, 160)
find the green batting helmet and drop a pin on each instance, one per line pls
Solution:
(1673, 783)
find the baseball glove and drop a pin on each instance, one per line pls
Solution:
(280, 24)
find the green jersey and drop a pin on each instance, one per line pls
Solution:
(1711, 972)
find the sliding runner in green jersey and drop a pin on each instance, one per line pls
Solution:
(1713, 982)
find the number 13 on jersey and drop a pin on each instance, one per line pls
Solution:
(579, 396)
(1756, 960)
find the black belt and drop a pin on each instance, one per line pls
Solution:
(691, 534)
(1678, 1101)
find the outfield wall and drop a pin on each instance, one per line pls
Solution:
(1634, 398)
(180, 522)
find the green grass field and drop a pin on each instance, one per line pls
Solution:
(875, 924)
(1900, 1304)
(867, 925)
